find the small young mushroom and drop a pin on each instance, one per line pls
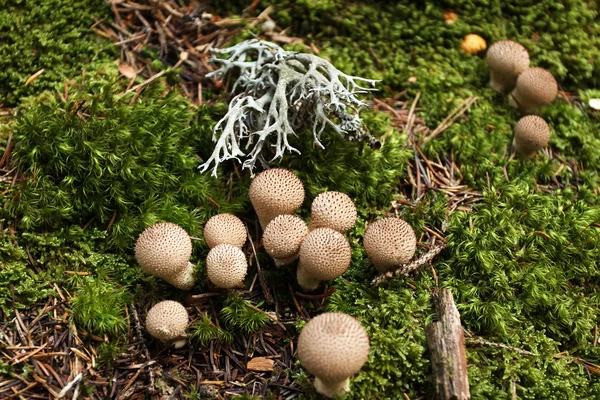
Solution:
(389, 243)
(536, 87)
(226, 266)
(531, 134)
(167, 321)
(283, 236)
(333, 210)
(325, 254)
(225, 229)
(506, 60)
(333, 347)
(275, 192)
(164, 250)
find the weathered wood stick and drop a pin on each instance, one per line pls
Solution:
(446, 342)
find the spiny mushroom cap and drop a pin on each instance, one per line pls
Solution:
(333, 346)
(536, 87)
(225, 229)
(506, 59)
(531, 134)
(274, 192)
(389, 243)
(333, 210)
(284, 235)
(325, 254)
(226, 266)
(167, 320)
(163, 249)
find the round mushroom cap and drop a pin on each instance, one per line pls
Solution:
(167, 320)
(284, 235)
(536, 87)
(333, 210)
(389, 242)
(226, 266)
(275, 192)
(333, 346)
(325, 254)
(225, 229)
(531, 134)
(506, 60)
(163, 249)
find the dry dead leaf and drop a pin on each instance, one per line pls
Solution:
(34, 76)
(127, 70)
(260, 364)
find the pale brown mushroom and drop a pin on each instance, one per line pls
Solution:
(531, 134)
(283, 236)
(184, 279)
(225, 229)
(275, 192)
(226, 266)
(389, 243)
(333, 347)
(506, 60)
(333, 210)
(167, 321)
(536, 88)
(325, 254)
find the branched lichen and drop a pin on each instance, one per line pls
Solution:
(282, 92)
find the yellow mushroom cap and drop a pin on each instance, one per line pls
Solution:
(226, 266)
(506, 60)
(333, 346)
(325, 254)
(167, 320)
(163, 249)
(225, 229)
(531, 134)
(275, 192)
(536, 87)
(389, 243)
(333, 210)
(284, 235)
(472, 44)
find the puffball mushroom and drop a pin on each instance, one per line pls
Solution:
(164, 250)
(225, 229)
(536, 87)
(324, 254)
(275, 192)
(283, 237)
(389, 243)
(531, 134)
(506, 60)
(167, 321)
(226, 266)
(333, 347)
(333, 210)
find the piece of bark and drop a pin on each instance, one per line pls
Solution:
(260, 364)
(446, 342)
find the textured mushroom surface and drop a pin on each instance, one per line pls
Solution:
(283, 237)
(167, 320)
(163, 249)
(333, 347)
(226, 266)
(325, 254)
(224, 229)
(531, 134)
(506, 60)
(275, 192)
(536, 87)
(333, 210)
(389, 243)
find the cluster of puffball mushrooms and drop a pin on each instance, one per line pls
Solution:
(331, 346)
(531, 89)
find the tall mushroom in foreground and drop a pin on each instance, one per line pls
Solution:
(226, 266)
(506, 60)
(167, 321)
(531, 134)
(325, 254)
(275, 192)
(389, 243)
(283, 237)
(333, 210)
(536, 88)
(333, 347)
(225, 229)
(164, 250)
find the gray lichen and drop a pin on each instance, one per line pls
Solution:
(279, 93)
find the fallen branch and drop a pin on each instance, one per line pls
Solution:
(411, 266)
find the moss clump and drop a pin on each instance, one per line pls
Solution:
(51, 34)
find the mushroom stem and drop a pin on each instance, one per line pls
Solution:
(525, 153)
(306, 282)
(185, 279)
(332, 389)
(279, 262)
(502, 83)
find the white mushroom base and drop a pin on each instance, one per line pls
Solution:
(306, 282)
(279, 262)
(332, 389)
(185, 279)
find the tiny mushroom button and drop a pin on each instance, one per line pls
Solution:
(225, 229)
(167, 321)
(389, 243)
(226, 266)
(536, 88)
(333, 210)
(506, 60)
(531, 134)
(283, 237)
